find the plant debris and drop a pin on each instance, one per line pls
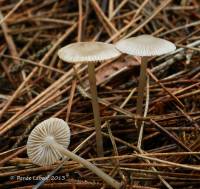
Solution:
(35, 85)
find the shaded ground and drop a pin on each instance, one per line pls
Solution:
(36, 85)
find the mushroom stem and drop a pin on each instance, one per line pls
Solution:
(108, 179)
(141, 89)
(95, 106)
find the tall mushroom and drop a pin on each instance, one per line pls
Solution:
(48, 142)
(144, 46)
(90, 52)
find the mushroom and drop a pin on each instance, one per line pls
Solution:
(90, 52)
(144, 46)
(48, 143)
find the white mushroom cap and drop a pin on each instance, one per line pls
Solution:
(39, 148)
(88, 52)
(145, 45)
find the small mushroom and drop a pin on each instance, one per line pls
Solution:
(90, 52)
(48, 142)
(144, 46)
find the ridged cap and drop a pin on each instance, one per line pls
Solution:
(145, 45)
(88, 52)
(38, 148)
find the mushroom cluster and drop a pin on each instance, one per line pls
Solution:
(91, 52)
(48, 142)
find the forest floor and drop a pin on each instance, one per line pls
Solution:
(35, 85)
